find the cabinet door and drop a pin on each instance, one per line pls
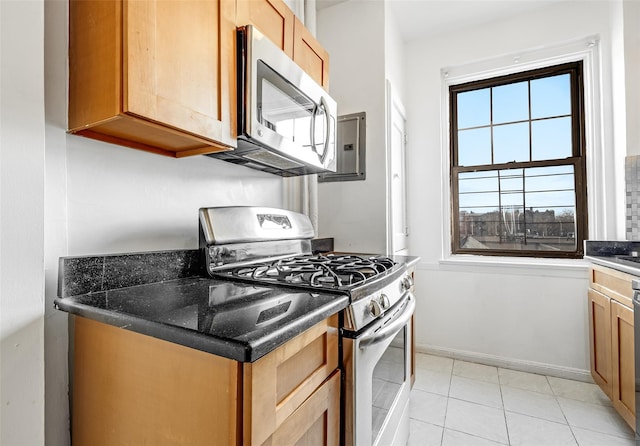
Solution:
(278, 383)
(600, 339)
(623, 368)
(273, 18)
(316, 422)
(310, 55)
(179, 64)
(156, 75)
(133, 389)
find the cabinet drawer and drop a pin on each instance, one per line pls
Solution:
(614, 284)
(277, 384)
(316, 421)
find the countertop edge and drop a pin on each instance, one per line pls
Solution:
(235, 349)
(613, 263)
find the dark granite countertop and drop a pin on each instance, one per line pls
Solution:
(619, 255)
(165, 295)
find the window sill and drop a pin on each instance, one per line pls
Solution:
(577, 268)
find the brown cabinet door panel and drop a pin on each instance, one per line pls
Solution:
(132, 389)
(175, 64)
(622, 352)
(273, 18)
(316, 422)
(310, 55)
(156, 75)
(600, 339)
(277, 384)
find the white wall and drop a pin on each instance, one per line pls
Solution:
(394, 55)
(22, 152)
(354, 212)
(529, 316)
(102, 198)
(632, 68)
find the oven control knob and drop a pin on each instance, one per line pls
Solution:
(375, 309)
(407, 283)
(384, 301)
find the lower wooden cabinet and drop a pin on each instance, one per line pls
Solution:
(316, 421)
(276, 385)
(611, 339)
(623, 392)
(600, 340)
(129, 388)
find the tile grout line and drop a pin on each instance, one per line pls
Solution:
(504, 409)
(573, 434)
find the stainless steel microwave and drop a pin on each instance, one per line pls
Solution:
(286, 121)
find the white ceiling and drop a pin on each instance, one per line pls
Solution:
(420, 18)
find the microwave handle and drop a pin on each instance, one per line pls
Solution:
(312, 138)
(327, 117)
(325, 107)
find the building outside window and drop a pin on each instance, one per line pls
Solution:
(518, 180)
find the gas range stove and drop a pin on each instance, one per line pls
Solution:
(272, 246)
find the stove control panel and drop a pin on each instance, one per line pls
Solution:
(366, 309)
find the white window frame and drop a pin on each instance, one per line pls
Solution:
(586, 50)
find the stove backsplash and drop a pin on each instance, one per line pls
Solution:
(632, 187)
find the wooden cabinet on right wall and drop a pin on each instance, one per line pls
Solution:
(611, 338)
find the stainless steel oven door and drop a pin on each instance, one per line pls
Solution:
(286, 110)
(377, 366)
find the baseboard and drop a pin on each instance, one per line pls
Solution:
(509, 363)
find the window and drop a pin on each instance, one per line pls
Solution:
(517, 164)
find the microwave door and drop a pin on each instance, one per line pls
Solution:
(283, 113)
(284, 117)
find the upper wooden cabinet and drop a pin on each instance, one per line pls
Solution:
(160, 75)
(310, 55)
(153, 75)
(275, 20)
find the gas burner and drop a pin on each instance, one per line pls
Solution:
(322, 271)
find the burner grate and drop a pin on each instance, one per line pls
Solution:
(321, 271)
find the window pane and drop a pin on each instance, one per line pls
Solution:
(551, 139)
(550, 178)
(511, 103)
(495, 212)
(474, 147)
(482, 199)
(474, 108)
(478, 190)
(511, 180)
(479, 184)
(511, 143)
(551, 96)
(511, 199)
(550, 199)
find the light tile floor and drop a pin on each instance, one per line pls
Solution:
(462, 403)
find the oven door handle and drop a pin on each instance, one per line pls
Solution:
(392, 327)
